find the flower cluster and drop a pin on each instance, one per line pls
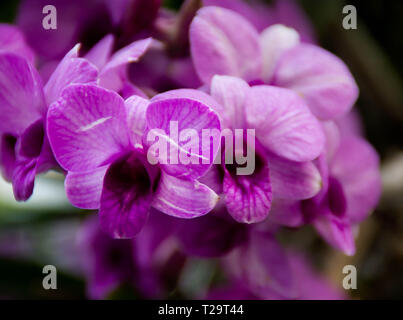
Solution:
(227, 66)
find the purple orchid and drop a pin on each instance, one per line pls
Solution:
(98, 138)
(113, 68)
(287, 138)
(351, 189)
(143, 262)
(25, 150)
(286, 12)
(224, 43)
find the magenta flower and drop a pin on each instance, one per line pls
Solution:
(288, 138)
(24, 102)
(25, 150)
(139, 262)
(224, 43)
(97, 137)
(261, 16)
(351, 189)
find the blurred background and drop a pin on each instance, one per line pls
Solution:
(43, 231)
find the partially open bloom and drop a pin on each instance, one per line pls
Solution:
(275, 57)
(97, 137)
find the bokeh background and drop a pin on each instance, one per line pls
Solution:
(43, 231)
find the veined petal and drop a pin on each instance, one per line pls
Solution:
(21, 94)
(179, 124)
(223, 42)
(136, 108)
(293, 180)
(248, 198)
(230, 93)
(87, 127)
(126, 198)
(183, 198)
(71, 70)
(320, 77)
(283, 123)
(84, 189)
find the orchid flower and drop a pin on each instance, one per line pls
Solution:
(287, 138)
(24, 103)
(224, 43)
(97, 137)
(141, 262)
(25, 150)
(351, 189)
(261, 16)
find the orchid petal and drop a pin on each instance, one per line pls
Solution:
(283, 123)
(230, 93)
(84, 189)
(126, 198)
(321, 78)
(21, 94)
(218, 47)
(190, 157)
(183, 198)
(87, 127)
(293, 180)
(71, 70)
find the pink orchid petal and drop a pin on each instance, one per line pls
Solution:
(87, 127)
(71, 70)
(183, 198)
(84, 189)
(224, 43)
(320, 77)
(293, 180)
(21, 94)
(284, 124)
(126, 198)
(191, 116)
